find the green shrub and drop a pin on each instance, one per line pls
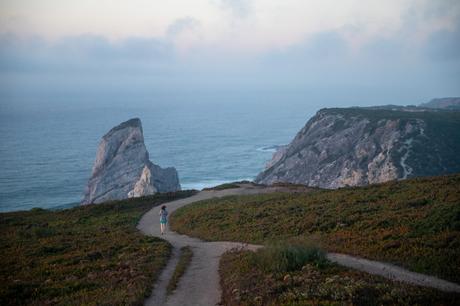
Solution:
(285, 257)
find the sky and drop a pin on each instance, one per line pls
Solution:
(348, 52)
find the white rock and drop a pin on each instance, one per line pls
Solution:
(122, 168)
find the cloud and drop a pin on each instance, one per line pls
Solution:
(441, 8)
(326, 45)
(82, 53)
(444, 45)
(181, 25)
(99, 48)
(325, 62)
(239, 8)
(318, 49)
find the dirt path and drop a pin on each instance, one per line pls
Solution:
(200, 283)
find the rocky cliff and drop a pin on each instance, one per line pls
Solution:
(122, 168)
(359, 146)
(443, 103)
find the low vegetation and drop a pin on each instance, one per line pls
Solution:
(223, 186)
(91, 255)
(413, 223)
(186, 255)
(234, 185)
(316, 282)
(282, 257)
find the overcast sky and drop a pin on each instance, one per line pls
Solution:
(398, 51)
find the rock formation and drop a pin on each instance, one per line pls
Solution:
(359, 146)
(123, 170)
(443, 103)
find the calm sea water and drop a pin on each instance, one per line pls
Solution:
(46, 156)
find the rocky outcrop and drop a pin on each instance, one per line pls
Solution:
(443, 103)
(122, 168)
(280, 151)
(359, 146)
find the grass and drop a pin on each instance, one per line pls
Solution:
(186, 255)
(282, 257)
(317, 282)
(232, 185)
(413, 223)
(223, 186)
(91, 255)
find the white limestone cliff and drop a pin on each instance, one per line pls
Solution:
(122, 168)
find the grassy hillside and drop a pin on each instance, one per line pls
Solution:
(90, 255)
(245, 281)
(413, 223)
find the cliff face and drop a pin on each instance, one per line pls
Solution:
(122, 168)
(443, 103)
(359, 146)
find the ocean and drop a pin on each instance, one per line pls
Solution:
(46, 155)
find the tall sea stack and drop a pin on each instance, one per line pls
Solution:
(123, 170)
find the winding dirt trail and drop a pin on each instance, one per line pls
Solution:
(200, 283)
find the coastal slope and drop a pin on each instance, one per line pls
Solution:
(358, 146)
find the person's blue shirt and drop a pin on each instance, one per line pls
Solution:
(163, 216)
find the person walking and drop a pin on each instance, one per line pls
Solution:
(163, 218)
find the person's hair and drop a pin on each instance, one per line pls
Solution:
(163, 207)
